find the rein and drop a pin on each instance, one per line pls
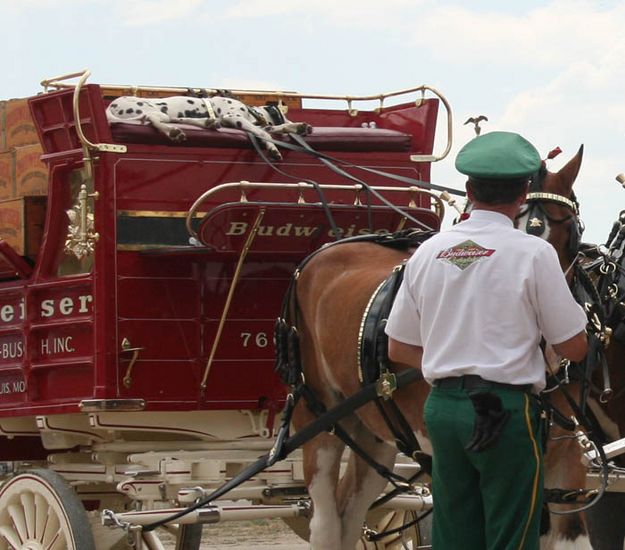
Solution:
(586, 294)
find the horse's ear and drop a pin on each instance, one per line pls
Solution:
(569, 171)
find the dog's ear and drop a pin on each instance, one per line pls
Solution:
(226, 93)
(200, 92)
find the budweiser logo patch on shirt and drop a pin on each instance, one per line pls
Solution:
(465, 254)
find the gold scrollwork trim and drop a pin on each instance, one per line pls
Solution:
(156, 214)
(81, 237)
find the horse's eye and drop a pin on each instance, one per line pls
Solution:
(522, 210)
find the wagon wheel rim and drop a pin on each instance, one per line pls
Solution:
(39, 511)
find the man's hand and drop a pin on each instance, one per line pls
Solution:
(490, 419)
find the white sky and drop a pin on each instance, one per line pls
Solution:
(552, 70)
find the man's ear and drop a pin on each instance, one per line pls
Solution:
(523, 197)
(467, 186)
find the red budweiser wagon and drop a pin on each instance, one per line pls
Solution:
(140, 279)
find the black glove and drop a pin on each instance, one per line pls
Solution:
(490, 418)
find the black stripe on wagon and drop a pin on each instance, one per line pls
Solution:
(152, 231)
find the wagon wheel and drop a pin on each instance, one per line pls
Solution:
(39, 510)
(381, 521)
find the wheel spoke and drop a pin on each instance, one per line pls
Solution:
(10, 536)
(41, 508)
(28, 505)
(58, 542)
(52, 527)
(17, 517)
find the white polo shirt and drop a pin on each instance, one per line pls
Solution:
(478, 297)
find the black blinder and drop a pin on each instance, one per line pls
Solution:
(535, 221)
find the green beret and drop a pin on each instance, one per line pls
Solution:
(498, 156)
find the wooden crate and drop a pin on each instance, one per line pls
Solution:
(22, 222)
(22, 173)
(7, 175)
(31, 175)
(16, 124)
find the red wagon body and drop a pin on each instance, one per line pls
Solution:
(62, 326)
(121, 331)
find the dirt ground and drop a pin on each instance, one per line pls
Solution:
(261, 534)
(249, 535)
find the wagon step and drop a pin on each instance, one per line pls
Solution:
(208, 514)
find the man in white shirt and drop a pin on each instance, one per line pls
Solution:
(472, 309)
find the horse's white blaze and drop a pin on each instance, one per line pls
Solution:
(325, 525)
(522, 224)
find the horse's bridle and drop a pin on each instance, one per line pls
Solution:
(552, 197)
(537, 214)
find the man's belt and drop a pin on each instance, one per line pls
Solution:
(475, 382)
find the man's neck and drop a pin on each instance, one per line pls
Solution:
(509, 210)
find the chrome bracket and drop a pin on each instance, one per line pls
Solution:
(110, 148)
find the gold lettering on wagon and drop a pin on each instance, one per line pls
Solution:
(236, 229)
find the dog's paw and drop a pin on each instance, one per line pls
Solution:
(177, 135)
(213, 124)
(304, 129)
(273, 153)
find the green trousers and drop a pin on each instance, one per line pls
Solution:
(488, 500)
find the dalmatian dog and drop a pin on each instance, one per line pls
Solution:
(205, 112)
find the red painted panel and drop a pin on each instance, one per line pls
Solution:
(167, 381)
(64, 341)
(166, 182)
(162, 298)
(62, 380)
(61, 342)
(176, 339)
(64, 302)
(243, 339)
(12, 348)
(12, 307)
(12, 385)
(236, 382)
(256, 297)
